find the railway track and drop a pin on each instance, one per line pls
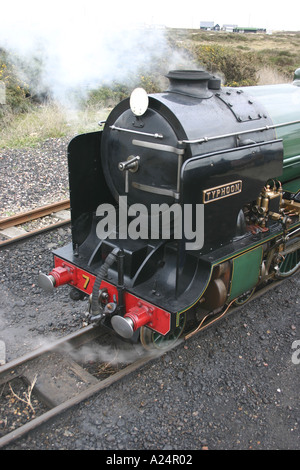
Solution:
(12, 228)
(61, 381)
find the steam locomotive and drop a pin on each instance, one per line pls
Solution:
(221, 168)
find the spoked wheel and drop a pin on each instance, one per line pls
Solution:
(152, 340)
(289, 265)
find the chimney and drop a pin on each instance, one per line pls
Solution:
(195, 83)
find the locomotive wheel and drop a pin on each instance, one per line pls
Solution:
(152, 340)
(289, 265)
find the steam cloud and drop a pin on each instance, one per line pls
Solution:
(81, 47)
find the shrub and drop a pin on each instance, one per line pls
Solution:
(238, 69)
(17, 92)
(109, 95)
(284, 61)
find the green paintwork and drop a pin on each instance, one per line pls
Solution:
(292, 186)
(297, 74)
(282, 103)
(246, 270)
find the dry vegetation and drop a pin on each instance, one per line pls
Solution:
(240, 59)
(274, 56)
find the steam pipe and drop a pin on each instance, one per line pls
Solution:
(121, 287)
(102, 273)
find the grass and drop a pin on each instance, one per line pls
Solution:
(267, 75)
(49, 121)
(280, 50)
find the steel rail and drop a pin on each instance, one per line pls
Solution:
(30, 426)
(8, 372)
(12, 240)
(74, 339)
(34, 214)
(87, 334)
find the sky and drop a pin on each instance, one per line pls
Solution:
(257, 13)
(83, 41)
(187, 14)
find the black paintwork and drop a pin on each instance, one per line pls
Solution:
(159, 271)
(88, 187)
(253, 165)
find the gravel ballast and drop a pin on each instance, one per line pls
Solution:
(33, 177)
(233, 386)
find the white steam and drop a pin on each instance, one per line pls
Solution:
(68, 46)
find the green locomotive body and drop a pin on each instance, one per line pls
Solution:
(282, 103)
